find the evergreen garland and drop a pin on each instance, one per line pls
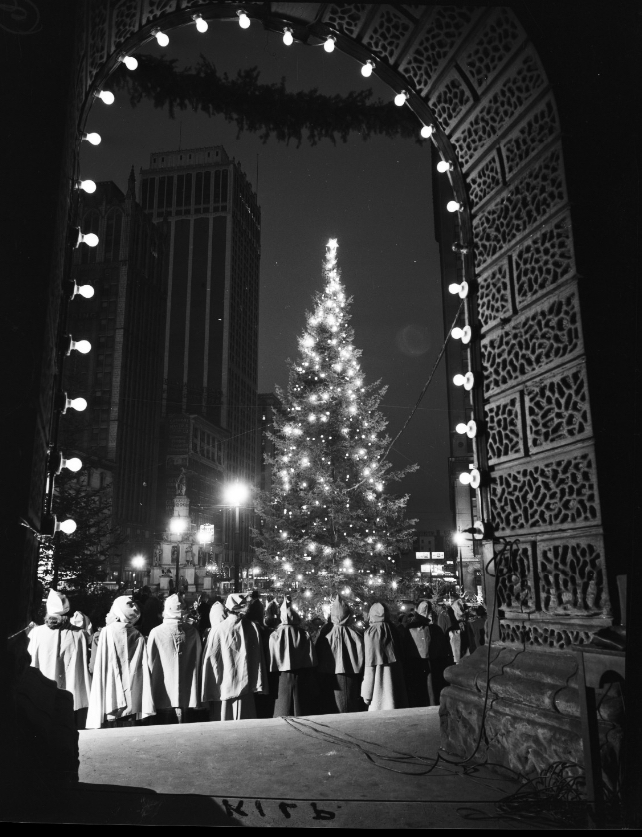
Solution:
(265, 109)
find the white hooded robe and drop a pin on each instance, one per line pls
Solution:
(61, 655)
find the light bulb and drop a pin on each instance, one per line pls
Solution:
(82, 346)
(462, 289)
(130, 62)
(472, 478)
(443, 166)
(161, 38)
(78, 404)
(84, 290)
(366, 70)
(288, 37)
(453, 206)
(400, 98)
(67, 526)
(459, 380)
(90, 239)
(464, 334)
(201, 24)
(461, 427)
(106, 96)
(74, 464)
(328, 46)
(93, 138)
(87, 186)
(457, 333)
(426, 131)
(244, 21)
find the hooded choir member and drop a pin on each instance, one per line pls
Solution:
(415, 631)
(292, 654)
(59, 650)
(121, 689)
(174, 658)
(340, 654)
(383, 684)
(447, 621)
(234, 667)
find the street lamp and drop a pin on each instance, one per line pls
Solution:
(177, 526)
(235, 495)
(138, 563)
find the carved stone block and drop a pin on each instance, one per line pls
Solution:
(499, 38)
(550, 492)
(534, 131)
(450, 100)
(388, 33)
(531, 343)
(528, 203)
(504, 423)
(346, 18)
(509, 96)
(557, 409)
(433, 47)
(572, 578)
(494, 295)
(543, 261)
(484, 181)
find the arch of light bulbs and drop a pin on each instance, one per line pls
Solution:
(447, 165)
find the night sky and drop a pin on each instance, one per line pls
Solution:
(374, 196)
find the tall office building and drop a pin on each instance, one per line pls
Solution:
(210, 355)
(121, 377)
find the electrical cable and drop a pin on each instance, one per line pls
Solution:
(421, 394)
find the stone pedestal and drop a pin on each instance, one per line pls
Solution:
(532, 716)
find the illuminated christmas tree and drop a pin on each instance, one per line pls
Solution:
(329, 524)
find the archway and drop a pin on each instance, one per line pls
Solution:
(476, 70)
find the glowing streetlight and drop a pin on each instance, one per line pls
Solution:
(235, 494)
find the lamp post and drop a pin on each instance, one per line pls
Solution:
(138, 563)
(460, 540)
(235, 495)
(177, 526)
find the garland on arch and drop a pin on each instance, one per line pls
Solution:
(265, 109)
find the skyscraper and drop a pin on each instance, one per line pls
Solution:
(121, 377)
(210, 355)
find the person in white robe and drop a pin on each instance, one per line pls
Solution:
(234, 668)
(174, 657)
(340, 654)
(383, 684)
(293, 655)
(58, 649)
(121, 689)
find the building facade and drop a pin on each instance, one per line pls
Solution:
(121, 377)
(210, 351)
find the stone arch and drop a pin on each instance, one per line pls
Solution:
(475, 73)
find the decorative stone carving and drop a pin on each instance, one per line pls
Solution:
(504, 423)
(557, 409)
(346, 19)
(490, 49)
(527, 203)
(543, 634)
(531, 343)
(153, 9)
(387, 35)
(450, 100)
(537, 128)
(515, 90)
(436, 43)
(494, 296)
(558, 491)
(97, 38)
(546, 259)
(515, 579)
(124, 21)
(484, 181)
(571, 577)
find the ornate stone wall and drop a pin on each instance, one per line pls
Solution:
(474, 75)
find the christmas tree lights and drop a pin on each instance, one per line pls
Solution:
(328, 523)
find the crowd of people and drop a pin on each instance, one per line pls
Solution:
(159, 661)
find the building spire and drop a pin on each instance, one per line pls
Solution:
(131, 184)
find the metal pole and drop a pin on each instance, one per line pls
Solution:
(461, 574)
(237, 584)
